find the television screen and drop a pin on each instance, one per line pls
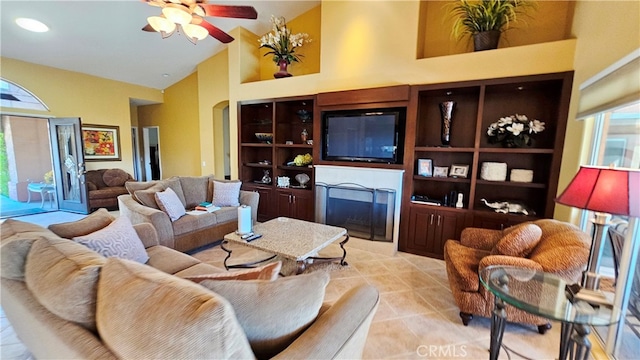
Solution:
(369, 136)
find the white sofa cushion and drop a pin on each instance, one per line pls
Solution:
(118, 239)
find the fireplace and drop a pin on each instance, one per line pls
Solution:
(366, 213)
(381, 189)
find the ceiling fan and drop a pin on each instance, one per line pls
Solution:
(187, 17)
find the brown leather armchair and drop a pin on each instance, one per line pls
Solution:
(548, 245)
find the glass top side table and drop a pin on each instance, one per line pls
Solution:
(543, 294)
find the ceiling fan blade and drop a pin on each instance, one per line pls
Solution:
(213, 30)
(148, 28)
(230, 11)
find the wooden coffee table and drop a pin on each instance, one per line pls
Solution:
(292, 239)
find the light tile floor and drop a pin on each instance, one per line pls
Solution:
(417, 317)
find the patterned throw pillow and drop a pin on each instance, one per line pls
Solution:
(267, 272)
(518, 241)
(265, 311)
(226, 193)
(169, 202)
(119, 239)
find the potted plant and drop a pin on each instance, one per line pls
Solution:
(282, 45)
(485, 20)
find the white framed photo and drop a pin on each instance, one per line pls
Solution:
(459, 171)
(440, 171)
(425, 167)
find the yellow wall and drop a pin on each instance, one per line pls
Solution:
(308, 22)
(179, 130)
(213, 96)
(547, 21)
(71, 94)
(606, 32)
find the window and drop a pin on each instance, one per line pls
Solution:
(16, 97)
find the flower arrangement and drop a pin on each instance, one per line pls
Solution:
(514, 131)
(282, 43)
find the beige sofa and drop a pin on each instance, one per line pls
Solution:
(127, 319)
(190, 231)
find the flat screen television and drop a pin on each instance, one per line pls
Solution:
(366, 135)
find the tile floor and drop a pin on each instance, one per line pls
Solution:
(417, 317)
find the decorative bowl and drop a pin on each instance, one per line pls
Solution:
(265, 137)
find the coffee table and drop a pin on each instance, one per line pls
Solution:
(292, 239)
(543, 294)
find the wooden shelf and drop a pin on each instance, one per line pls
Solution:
(479, 103)
(511, 183)
(296, 146)
(264, 145)
(443, 149)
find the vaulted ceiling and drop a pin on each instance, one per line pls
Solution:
(104, 38)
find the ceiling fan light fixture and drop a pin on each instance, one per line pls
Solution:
(196, 32)
(177, 14)
(162, 25)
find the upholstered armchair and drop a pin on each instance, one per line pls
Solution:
(548, 245)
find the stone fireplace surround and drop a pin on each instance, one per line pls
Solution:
(376, 178)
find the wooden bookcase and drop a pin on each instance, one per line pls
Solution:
(279, 117)
(425, 228)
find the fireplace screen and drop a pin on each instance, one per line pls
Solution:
(365, 212)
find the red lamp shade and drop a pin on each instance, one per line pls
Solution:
(614, 191)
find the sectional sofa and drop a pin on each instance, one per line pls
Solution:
(66, 301)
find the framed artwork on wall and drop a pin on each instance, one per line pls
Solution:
(425, 167)
(101, 142)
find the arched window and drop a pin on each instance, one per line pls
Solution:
(16, 97)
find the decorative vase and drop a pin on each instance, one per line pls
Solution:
(446, 112)
(282, 72)
(486, 40)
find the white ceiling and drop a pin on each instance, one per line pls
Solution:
(104, 38)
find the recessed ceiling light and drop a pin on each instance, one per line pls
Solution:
(165, 75)
(32, 25)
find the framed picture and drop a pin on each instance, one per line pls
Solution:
(440, 171)
(101, 142)
(459, 171)
(425, 167)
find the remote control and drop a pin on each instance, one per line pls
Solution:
(254, 237)
(247, 235)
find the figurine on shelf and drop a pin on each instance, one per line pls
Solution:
(303, 136)
(266, 179)
(507, 207)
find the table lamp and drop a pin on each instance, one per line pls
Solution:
(606, 191)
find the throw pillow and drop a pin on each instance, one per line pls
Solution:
(273, 313)
(143, 313)
(119, 239)
(169, 202)
(267, 272)
(91, 223)
(226, 193)
(147, 197)
(63, 277)
(519, 241)
(115, 177)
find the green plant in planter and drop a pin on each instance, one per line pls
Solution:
(485, 20)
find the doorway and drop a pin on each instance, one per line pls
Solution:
(152, 158)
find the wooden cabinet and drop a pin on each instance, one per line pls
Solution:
(296, 204)
(285, 120)
(478, 105)
(429, 228)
